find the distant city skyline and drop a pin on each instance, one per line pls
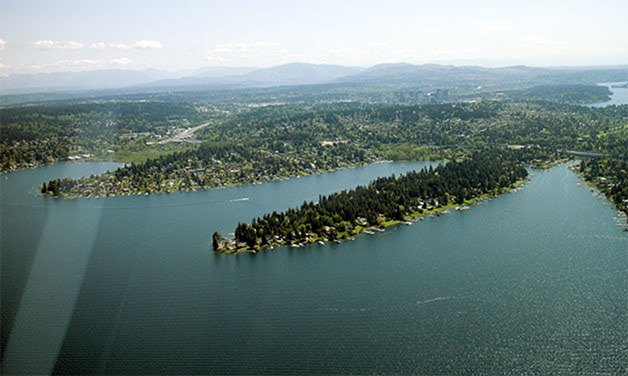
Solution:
(54, 36)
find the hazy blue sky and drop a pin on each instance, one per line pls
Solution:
(77, 35)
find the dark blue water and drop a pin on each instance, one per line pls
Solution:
(531, 282)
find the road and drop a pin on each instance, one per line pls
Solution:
(184, 134)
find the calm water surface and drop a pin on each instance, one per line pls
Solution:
(535, 281)
(619, 95)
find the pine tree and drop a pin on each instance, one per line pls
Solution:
(216, 238)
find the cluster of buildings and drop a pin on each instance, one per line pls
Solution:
(436, 96)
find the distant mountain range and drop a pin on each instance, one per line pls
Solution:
(430, 74)
(304, 74)
(89, 80)
(282, 75)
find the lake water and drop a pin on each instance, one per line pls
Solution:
(619, 95)
(531, 282)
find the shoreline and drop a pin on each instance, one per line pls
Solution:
(44, 164)
(204, 188)
(385, 223)
(222, 186)
(594, 188)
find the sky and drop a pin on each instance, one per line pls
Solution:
(53, 36)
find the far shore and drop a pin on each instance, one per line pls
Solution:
(225, 185)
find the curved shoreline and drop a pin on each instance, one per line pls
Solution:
(385, 223)
(64, 195)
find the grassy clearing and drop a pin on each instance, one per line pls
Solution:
(139, 152)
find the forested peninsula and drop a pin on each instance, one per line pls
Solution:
(280, 141)
(382, 203)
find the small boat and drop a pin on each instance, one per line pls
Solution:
(321, 242)
(408, 223)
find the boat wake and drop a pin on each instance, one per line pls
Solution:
(437, 299)
(239, 199)
(337, 309)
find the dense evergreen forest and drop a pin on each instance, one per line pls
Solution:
(610, 176)
(271, 142)
(384, 201)
(34, 135)
(486, 123)
(257, 135)
(214, 165)
(570, 94)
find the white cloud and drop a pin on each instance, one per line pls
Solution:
(230, 52)
(2, 44)
(139, 45)
(72, 45)
(215, 59)
(226, 51)
(51, 44)
(69, 65)
(377, 44)
(121, 61)
(222, 50)
(120, 46)
(266, 44)
(81, 63)
(3, 70)
(241, 47)
(147, 44)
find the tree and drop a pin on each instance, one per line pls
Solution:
(55, 188)
(216, 239)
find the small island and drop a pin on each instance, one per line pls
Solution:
(384, 202)
(620, 86)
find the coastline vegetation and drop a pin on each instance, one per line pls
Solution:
(570, 94)
(382, 203)
(609, 176)
(31, 136)
(242, 137)
(213, 165)
(280, 141)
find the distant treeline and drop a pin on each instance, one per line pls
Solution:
(34, 135)
(262, 144)
(213, 164)
(570, 94)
